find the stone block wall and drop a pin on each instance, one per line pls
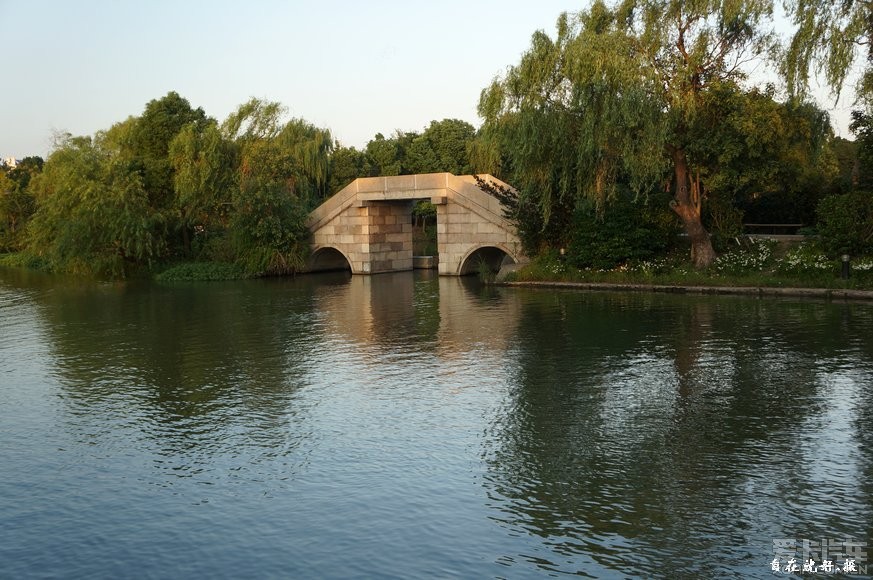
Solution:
(373, 236)
(461, 230)
(390, 225)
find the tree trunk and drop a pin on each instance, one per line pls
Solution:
(686, 204)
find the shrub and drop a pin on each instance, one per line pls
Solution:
(626, 230)
(202, 271)
(725, 223)
(23, 260)
(845, 224)
(753, 256)
(806, 259)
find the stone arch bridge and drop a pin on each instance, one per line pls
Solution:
(367, 226)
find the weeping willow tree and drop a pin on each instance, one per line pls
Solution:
(203, 174)
(94, 215)
(282, 172)
(615, 96)
(829, 33)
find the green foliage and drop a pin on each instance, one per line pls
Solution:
(17, 203)
(770, 159)
(148, 142)
(269, 232)
(521, 209)
(277, 177)
(309, 147)
(851, 174)
(174, 184)
(22, 260)
(388, 156)
(346, 165)
(625, 230)
(862, 127)
(203, 180)
(201, 271)
(724, 221)
(612, 99)
(845, 224)
(443, 147)
(93, 213)
(16, 207)
(827, 34)
(750, 256)
(24, 171)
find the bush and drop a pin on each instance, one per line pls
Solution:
(23, 260)
(204, 271)
(845, 224)
(269, 233)
(626, 230)
(725, 223)
(806, 259)
(753, 256)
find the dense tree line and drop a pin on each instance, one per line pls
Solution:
(174, 184)
(633, 121)
(637, 103)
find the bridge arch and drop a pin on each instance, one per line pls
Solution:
(493, 257)
(328, 258)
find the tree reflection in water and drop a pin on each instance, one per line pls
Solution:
(644, 432)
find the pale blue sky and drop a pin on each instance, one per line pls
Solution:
(357, 68)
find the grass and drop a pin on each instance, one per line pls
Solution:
(22, 260)
(755, 263)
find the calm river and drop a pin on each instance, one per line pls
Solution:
(409, 426)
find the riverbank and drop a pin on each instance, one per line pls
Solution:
(762, 268)
(819, 293)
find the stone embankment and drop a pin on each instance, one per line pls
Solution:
(818, 293)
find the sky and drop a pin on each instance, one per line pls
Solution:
(355, 67)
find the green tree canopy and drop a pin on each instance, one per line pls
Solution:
(828, 33)
(282, 173)
(93, 212)
(203, 179)
(388, 156)
(444, 146)
(16, 201)
(174, 183)
(346, 165)
(769, 158)
(147, 143)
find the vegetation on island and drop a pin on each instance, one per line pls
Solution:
(637, 146)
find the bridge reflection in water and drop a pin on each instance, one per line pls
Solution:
(392, 310)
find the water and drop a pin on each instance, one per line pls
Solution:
(410, 426)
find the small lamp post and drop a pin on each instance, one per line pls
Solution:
(563, 253)
(844, 274)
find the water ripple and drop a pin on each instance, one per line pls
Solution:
(413, 426)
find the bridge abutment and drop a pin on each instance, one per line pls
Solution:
(390, 240)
